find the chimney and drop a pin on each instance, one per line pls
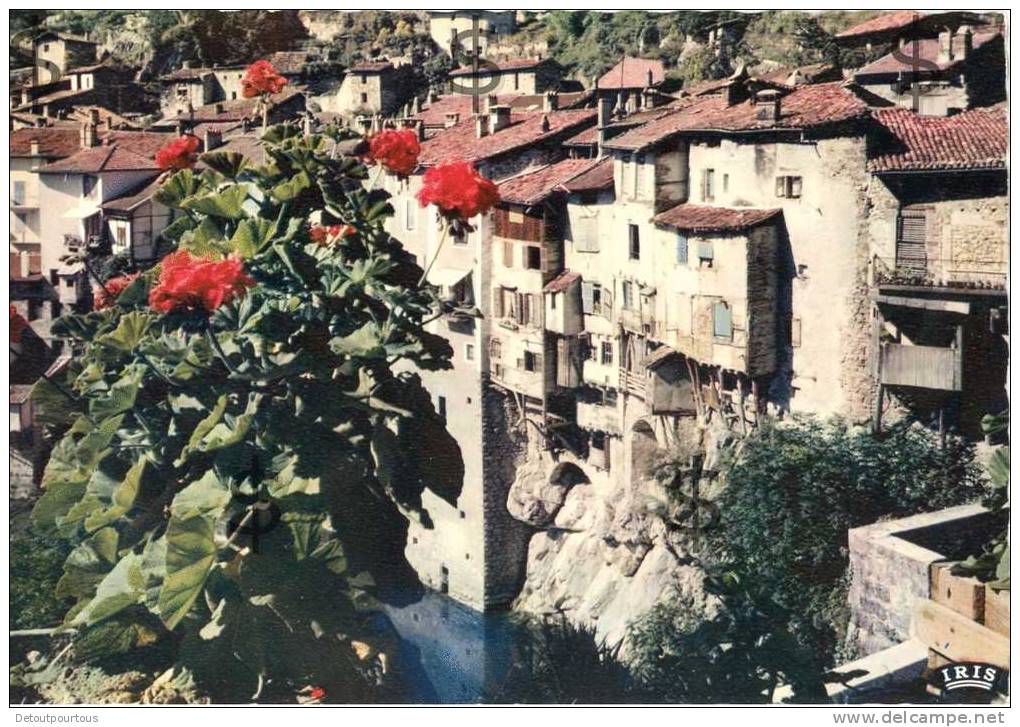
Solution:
(218, 108)
(648, 78)
(481, 125)
(962, 43)
(545, 122)
(946, 46)
(33, 147)
(605, 111)
(452, 119)
(594, 83)
(420, 128)
(212, 139)
(245, 125)
(185, 64)
(25, 99)
(490, 101)
(551, 101)
(179, 128)
(499, 117)
(769, 105)
(89, 137)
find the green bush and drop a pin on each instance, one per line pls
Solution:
(36, 562)
(796, 489)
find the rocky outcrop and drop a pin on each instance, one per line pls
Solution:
(603, 554)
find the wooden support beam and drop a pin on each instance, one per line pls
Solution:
(956, 637)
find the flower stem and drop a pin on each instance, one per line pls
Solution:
(439, 249)
(219, 349)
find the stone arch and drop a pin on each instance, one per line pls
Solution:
(643, 447)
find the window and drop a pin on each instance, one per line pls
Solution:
(594, 300)
(607, 353)
(795, 332)
(364, 98)
(469, 351)
(410, 214)
(681, 249)
(725, 183)
(788, 187)
(706, 252)
(88, 184)
(639, 173)
(233, 95)
(912, 240)
(515, 217)
(634, 236)
(121, 235)
(552, 301)
(496, 348)
(459, 237)
(627, 291)
(46, 47)
(508, 254)
(517, 81)
(722, 321)
(19, 193)
(707, 185)
(364, 78)
(533, 257)
(442, 408)
(532, 361)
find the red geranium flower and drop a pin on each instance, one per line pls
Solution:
(458, 190)
(178, 154)
(325, 234)
(105, 295)
(18, 325)
(395, 149)
(317, 693)
(261, 78)
(190, 283)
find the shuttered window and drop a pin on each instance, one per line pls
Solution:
(508, 254)
(911, 240)
(681, 249)
(722, 321)
(587, 297)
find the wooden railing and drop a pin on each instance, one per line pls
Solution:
(926, 367)
(632, 383)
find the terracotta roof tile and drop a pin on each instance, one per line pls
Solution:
(633, 73)
(233, 110)
(435, 113)
(972, 140)
(802, 108)
(461, 143)
(599, 176)
(535, 185)
(882, 23)
(371, 66)
(701, 218)
(561, 282)
(119, 151)
(518, 64)
(927, 53)
(54, 143)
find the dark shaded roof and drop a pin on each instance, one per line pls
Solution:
(703, 218)
(247, 145)
(234, 110)
(56, 96)
(120, 151)
(561, 282)
(460, 142)
(535, 185)
(136, 196)
(926, 53)
(290, 62)
(54, 143)
(598, 177)
(974, 139)
(371, 66)
(66, 37)
(804, 107)
(518, 64)
(633, 73)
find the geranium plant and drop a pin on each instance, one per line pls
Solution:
(245, 436)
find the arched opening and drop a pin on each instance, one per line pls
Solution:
(568, 474)
(643, 446)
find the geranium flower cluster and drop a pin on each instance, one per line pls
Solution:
(458, 190)
(178, 154)
(396, 149)
(261, 78)
(197, 284)
(328, 234)
(106, 295)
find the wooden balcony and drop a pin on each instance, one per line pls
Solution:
(633, 383)
(925, 367)
(602, 417)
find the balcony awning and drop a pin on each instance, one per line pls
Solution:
(83, 210)
(447, 276)
(961, 307)
(656, 357)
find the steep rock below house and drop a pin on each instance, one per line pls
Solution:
(604, 555)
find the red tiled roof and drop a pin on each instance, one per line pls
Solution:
(972, 140)
(700, 218)
(54, 143)
(586, 137)
(599, 176)
(233, 110)
(435, 113)
(805, 107)
(535, 185)
(55, 96)
(561, 282)
(633, 73)
(518, 64)
(882, 23)
(120, 151)
(371, 66)
(926, 52)
(461, 143)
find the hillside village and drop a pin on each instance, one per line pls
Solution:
(670, 265)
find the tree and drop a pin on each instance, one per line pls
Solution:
(241, 455)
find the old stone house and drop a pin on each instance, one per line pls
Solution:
(631, 84)
(56, 52)
(524, 75)
(453, 31)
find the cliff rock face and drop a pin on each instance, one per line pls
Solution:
(602, 553)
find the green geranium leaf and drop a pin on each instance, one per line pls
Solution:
(228, 204)
(286, 191)
(227, 163)
(129, 332)
(122, 587)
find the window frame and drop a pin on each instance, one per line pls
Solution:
(633, 241)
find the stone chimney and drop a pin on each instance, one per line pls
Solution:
(551, 101)
(185, 64)
(962, 43)
(419, 126)
(481, 125)
(499, 117)
(452, 119)
(33, 147)
(212, 139)
(605, 111)
(218, 108)
(25, 98)
(89, 137)
(490, 101)
(545, 122)
(648, 78)
(179, 128)
(768, 105)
